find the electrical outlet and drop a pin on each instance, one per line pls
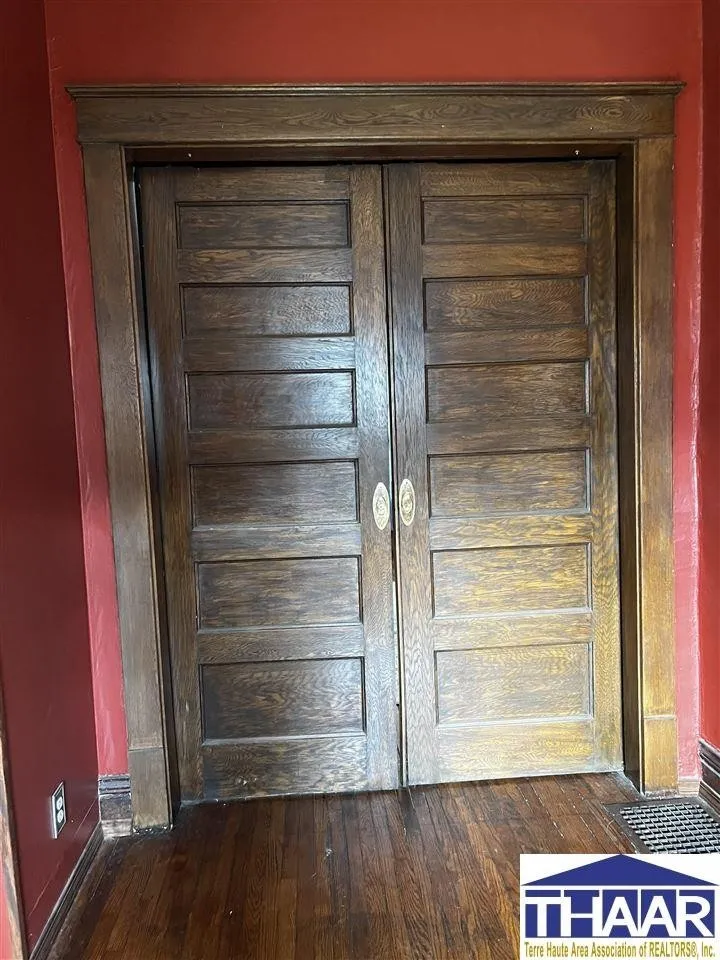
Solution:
(58, 812)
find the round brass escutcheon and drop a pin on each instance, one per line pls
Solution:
(381, 506)
(407, 502)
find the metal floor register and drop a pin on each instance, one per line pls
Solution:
(669, 826)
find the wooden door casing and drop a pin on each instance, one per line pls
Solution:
(503, 316)
(268, 351)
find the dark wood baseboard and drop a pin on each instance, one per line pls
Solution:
(710, 782)
(115, 798)
(68, 896)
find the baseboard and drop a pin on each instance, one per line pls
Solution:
(115, 801)
(688, 786)
(57, 918)
(710, 781)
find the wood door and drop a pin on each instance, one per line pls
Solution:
(268, 349)
(503, 315)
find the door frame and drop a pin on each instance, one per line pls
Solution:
(119, 127)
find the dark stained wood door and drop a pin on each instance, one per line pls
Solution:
(503, 319)
(268, 349)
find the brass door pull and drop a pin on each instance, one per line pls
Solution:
(407, 502)
(381, 506)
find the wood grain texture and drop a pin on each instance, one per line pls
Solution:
(413, 542)
(507, 391)
(278, 592)
(520, 302)
(262, 225)
(243, 542)
(264, 266)
(373, 422)
(497, 750)
(127, 420)
(266, 401)
(483, 686)
(268, 446)
(530, 433)
(660, 739)
(654, 253)
(284, 643)
(502, 260)
(605, 565)
(218, 184)
(274, 493)
(170, 418)
(426, 872)
(519, 179)
(267, 310)
(271, 115)
(285, 699)
(211, 354)
(467, 582)
(467, 486)
(503, 346)
(517, 629)
(511, 220)
(450, 533)
(292, 765)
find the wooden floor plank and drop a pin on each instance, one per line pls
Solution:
(393, 894)
(418, 902)
(304, 868)
(430, 873)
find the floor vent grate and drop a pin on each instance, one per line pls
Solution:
(669, 826)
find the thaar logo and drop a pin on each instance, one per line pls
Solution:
(619, 897)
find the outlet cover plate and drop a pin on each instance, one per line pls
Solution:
(58, 810)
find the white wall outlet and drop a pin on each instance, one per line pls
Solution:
(58, 812)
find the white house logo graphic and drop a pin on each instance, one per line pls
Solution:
(620, 897)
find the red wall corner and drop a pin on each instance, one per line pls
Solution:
(45, 667)
(108, 689)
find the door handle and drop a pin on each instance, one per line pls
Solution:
(381, 506)
(407, 502)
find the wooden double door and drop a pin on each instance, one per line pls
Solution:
(385, 413)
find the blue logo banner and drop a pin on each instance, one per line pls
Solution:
(619, 906)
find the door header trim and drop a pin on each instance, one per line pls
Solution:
(151, 115)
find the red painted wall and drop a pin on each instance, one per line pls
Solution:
(309, 41)
(44, 643)
(708, 447)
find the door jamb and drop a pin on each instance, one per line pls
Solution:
(634, 123)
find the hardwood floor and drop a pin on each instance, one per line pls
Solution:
(429, 873)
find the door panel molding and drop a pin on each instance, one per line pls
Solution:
(633, 123)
